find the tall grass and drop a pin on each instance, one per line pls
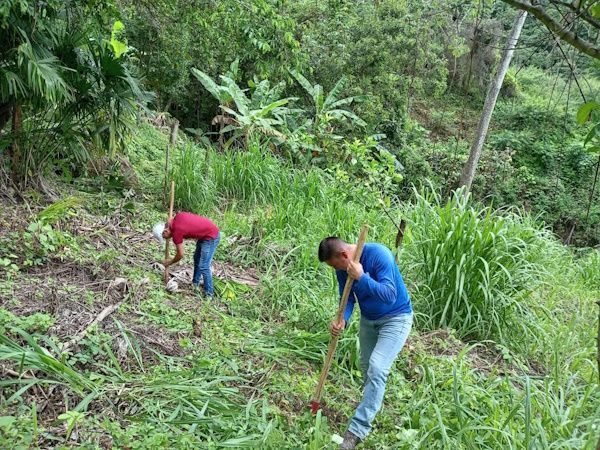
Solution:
(474, 268)
(206, 404)
(452, 406)
(194, 188)
(252, 176)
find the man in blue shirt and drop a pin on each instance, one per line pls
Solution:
(385, 322)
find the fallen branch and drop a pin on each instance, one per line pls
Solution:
(99, 318)
(16, 374)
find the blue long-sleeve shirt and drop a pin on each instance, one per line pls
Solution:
(380, 290)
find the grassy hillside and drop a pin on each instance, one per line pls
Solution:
(503, 354)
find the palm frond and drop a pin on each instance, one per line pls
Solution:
(11, 86)
(43, 73)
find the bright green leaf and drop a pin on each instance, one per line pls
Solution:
(585, 110)
(6, 421)
(119, 47)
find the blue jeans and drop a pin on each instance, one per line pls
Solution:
(380, 342)
(203, 256)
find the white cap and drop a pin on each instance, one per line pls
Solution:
(157, 232)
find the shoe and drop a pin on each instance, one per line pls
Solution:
(350, 441)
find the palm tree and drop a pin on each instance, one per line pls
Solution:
(29, 71)
(62, 85)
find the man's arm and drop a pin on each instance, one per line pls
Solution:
(384, 289)
(178, 255)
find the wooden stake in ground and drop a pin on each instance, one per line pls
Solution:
(171, 144)
(315, 403)
(172, 199)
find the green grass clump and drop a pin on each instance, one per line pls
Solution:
(194, 189)
(473, 267)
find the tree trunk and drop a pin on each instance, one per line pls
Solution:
(4, 114)
(468, 172)
(15, 150)
(587, 214)
(466, 84)
(567, 240)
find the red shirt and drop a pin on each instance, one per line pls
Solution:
(192, 226)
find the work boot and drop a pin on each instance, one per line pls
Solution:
(350, 441)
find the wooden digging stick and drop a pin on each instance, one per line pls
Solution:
(315, 404)
(172, 199)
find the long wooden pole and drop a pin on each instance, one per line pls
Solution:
(171, 144)
(171, 200)
(315, 404)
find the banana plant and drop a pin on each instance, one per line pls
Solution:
(329, 107)
(258, 115)
(328, 110)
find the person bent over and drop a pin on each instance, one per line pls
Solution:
(187, 225)
(386, 318)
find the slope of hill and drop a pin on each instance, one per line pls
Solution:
(165, 370)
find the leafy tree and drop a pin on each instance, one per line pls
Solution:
(391, 52)
(468, 173)
(565, 19)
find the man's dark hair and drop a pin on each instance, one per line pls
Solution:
(329, 247)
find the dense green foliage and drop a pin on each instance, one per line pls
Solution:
(403, 82)
(65, 84)
(297, 120)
